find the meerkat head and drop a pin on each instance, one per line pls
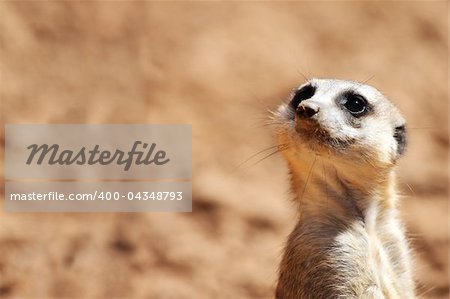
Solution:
(343, 120)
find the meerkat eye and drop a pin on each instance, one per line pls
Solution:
(356, 104)
(302, 94)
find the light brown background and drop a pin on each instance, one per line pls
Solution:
(217, 66)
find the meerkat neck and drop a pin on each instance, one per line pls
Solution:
(322, 186)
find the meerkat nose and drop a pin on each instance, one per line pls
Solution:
(307, 110)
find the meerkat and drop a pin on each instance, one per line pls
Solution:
(342, 140)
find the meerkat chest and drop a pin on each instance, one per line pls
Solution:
(368, 256)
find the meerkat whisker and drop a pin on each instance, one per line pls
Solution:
(278, 147)
(279, 150)
(307, 178)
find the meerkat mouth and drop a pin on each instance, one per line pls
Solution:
(310, 132)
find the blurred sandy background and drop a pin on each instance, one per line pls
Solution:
(217, 66)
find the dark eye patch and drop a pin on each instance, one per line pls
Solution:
(304, 93)
(355, 104)
(400, 137)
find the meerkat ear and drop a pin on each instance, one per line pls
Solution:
(400, 137)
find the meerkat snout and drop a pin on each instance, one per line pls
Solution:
(307, 110)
